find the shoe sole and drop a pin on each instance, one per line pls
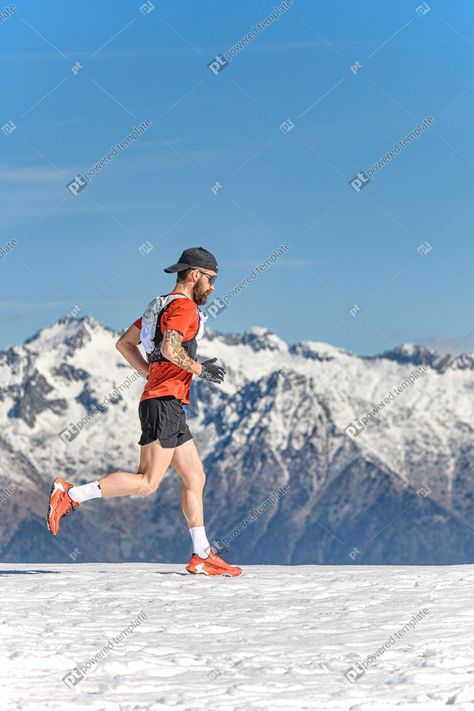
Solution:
(50, 510)
(220, 575)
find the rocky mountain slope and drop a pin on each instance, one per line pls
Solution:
(312, 453)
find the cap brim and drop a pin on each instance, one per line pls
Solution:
(178, 267)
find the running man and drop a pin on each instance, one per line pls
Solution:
(170, 331)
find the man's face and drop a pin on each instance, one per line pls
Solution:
(202, 288)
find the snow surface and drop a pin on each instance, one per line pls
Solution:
(276, 638)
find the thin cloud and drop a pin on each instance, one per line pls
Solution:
(48, 56)
(454, 345)
(31, 174)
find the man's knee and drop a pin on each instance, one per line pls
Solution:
(196, 479)
(148, 484)
(147, 489)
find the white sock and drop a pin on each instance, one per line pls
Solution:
(200, 542)
(85, 492)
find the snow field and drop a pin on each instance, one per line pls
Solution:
(124, 637)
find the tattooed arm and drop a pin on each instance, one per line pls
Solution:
(173, 350)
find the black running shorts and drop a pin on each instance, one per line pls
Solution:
(163, 419)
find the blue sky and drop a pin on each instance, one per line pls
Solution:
(347, 248)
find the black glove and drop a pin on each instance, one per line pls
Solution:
(213, 373)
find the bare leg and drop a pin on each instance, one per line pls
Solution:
(187, 462)
(154, 461)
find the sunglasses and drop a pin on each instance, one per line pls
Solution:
(211, 277)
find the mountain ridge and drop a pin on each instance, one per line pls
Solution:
(355, 439)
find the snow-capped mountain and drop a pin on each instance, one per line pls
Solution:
(312, 453)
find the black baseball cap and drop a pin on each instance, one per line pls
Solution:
(194, 257)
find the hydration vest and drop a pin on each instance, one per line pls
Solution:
(151, 335)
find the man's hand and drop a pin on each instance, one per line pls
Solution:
(212, 373)
(173, 350)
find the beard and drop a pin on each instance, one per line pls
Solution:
(200, 292)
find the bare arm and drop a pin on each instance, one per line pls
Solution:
(127, 345)
(173, 350)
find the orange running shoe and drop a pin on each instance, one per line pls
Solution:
(213, 565)
(60, 504)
